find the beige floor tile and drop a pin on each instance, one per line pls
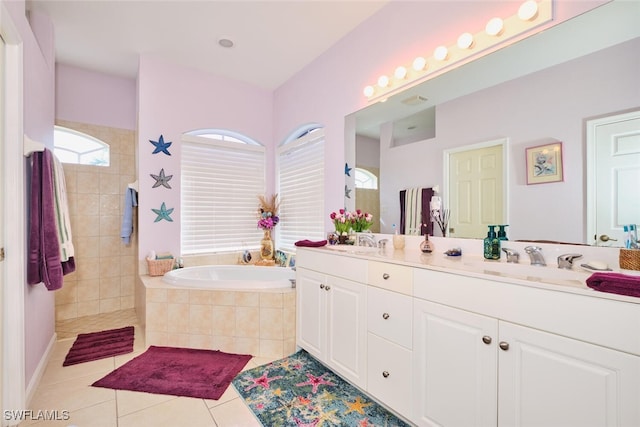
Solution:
(132, 401)
(101, 415)
(182, 411)
(234, 414)
(229, 394)
(56, 373)
(71, 395)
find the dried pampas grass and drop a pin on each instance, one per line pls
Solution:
(269, 204)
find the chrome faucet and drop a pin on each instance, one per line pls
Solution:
(367, 240)
(512, 256)
(566, 260)
(535, 253)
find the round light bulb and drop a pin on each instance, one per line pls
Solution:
(419, 63)
(528, 10)
(368, 91)
(441, 53)
(400, 73)
(383, 81)
(494, 26)
(465, 41)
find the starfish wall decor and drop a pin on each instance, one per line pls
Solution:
(161, 146)
(163, 213)
(161, 179)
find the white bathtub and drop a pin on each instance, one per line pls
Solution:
(232, 277)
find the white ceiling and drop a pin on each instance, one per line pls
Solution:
(273, 39)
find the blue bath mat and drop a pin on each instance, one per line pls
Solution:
(300, 391)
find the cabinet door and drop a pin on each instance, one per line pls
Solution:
(549, 380)
(347, 329)
(311, 311)
(454, 366)
(389, 374)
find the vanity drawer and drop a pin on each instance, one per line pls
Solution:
(389, 373)
(390, 315)
(394, 277)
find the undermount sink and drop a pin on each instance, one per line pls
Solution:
(530, 272)
(352, 249)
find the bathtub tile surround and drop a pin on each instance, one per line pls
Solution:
(249, 322)
(106, 269)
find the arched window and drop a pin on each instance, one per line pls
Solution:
(366, 179)
(222, 174)
(300, 172)
(71, 146)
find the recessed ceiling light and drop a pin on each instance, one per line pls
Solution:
(224, 42)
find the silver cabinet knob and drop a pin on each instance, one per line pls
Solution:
(486, 339)
(321, 285)
(326, 288)
(385, 276)
(385, 374)
(385, 316)
(504, 345)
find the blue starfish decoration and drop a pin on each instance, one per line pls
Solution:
(347, 192)
(161, 179)
(347, 169)
(161, 146)
(163, 213)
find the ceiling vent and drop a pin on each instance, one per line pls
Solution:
(414, 100)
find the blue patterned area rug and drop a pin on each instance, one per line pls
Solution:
(300, 391)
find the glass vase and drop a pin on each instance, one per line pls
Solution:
(266, 246)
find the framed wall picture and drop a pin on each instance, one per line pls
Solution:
(544, 163)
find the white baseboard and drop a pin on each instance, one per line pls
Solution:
(39, 372)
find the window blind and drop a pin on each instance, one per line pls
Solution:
(220, 185)
(301, 190)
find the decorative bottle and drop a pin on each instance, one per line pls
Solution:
(398, 239)
(426, 246)
(492, 244)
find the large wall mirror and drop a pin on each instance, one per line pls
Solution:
(540, 91)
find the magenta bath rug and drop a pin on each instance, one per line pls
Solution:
(100, 345)
(177, 371)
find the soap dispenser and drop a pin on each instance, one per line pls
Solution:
(492, 244)
(426, 246)
(502, 233)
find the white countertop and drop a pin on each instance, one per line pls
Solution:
(472, 263)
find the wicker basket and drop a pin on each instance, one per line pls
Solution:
(630, 259)
(157, 267)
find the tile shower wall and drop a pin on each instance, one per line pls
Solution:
(104, 279)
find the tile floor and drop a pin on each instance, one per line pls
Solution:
(68, 389)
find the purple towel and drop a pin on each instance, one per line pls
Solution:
(615, 283)
(43, 264)
(310, 243)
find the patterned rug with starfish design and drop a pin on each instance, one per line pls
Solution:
(299, 391)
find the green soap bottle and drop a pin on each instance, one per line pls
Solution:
(492, 244)
(502, 233)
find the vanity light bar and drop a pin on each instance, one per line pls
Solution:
(530, 16)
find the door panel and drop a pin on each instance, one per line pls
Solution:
(614, 171)
(476, 190)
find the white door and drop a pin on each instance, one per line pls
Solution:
(476, 190)
(613, 171)
(3, 179)
(347, 329)
(548, 380)
(311, 309)
(454, 367)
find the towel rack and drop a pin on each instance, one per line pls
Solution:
(133, 185)
(31, 146)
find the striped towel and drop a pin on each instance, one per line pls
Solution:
(413, 211)
(63, 222)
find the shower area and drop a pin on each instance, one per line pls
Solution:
(101, 290)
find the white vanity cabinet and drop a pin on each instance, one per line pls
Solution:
(389, 343)
(331, 316)
(476, 369)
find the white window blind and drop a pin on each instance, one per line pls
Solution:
(220, 185)
(301, 190)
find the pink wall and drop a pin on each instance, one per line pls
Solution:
(38, 98)
(174, 100)
(95, 98)
(331, 87)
